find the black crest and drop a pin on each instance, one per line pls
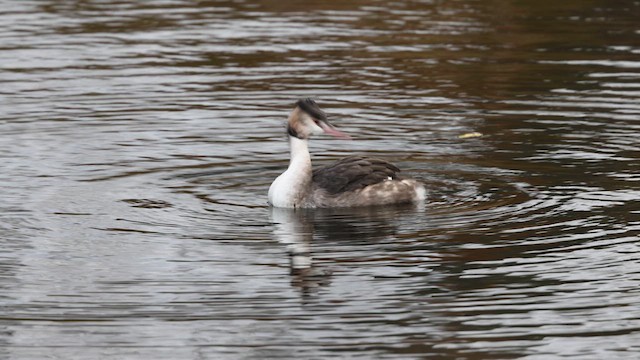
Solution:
(310, 107)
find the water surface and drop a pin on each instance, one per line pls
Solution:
(138, 141)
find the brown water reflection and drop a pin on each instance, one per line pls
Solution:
(138, 141)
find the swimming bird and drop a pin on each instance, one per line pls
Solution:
(349, 182)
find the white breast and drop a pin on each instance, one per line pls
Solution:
(292, 185)
(281, 191)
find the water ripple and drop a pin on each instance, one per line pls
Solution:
(138, 142)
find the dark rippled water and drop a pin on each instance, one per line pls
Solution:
(138, 141)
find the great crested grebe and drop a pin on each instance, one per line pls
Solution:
(349, 182)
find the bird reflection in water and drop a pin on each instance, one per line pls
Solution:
(294, 228)
(297, 229)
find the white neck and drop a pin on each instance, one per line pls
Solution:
(291, 187)
(300, 157)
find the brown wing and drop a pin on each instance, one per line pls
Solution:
(353, 173)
